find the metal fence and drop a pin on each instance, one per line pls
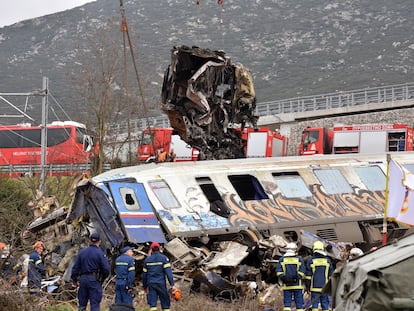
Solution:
(50, 169)
(298, 104)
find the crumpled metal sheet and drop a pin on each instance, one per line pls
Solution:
(204, 95)
(231, 256)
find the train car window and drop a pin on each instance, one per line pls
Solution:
(164, 194)
(30, 138)
(56, 136)
(80, 133)
(291, 185)
(333, 181)
(217, 205)
(372, 177)
(129, 199)
(9, 139)
(248, 187)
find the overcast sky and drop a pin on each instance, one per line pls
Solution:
(13, 11)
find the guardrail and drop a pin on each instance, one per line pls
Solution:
(337, 100)
(51, 169)
(298, 104)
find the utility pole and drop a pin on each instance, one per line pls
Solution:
(45, 108)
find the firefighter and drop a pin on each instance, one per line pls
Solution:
(171, 156)
(156, 268)
(319, 269)
(161, 155)
(36, 269)
(93, 268)
(125, 275)
(291, 271)
(11, 268)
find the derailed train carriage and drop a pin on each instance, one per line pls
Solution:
(338, 198)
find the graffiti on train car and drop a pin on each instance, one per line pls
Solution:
(277, 209)
(320, 205)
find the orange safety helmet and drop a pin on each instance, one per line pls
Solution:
(38, 244)
(176, 293)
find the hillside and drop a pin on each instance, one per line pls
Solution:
(293, 48)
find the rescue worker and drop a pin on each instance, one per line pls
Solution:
(161, 155)
(291, 271)
(92, 268)
(156, 268)
(319, 269)
(355, 252)
(11, 268)
(36, 269)
(125, 276)
(171, 156)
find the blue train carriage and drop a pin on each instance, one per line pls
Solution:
(337, 197)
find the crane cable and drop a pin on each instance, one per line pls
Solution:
(125, 31)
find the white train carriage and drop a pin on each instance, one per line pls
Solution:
(337, 197)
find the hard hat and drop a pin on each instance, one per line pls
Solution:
(318, 246)
(291, 246)
(2, 245)
(155, 245)
(355, 252)
(176, 293)
(291, 249)
(38, 244)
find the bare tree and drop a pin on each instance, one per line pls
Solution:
(99, 80)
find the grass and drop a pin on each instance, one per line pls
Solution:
(21, 300)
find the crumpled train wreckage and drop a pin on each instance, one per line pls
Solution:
(227, 271)
(206, 96)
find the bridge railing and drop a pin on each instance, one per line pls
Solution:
(337, 100)
(298, 104)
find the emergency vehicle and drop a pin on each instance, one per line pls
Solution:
(260, 143)
(365, 138)
(69, 148)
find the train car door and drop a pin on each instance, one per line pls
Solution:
(136, 213)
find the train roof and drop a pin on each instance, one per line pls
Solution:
(247, 165)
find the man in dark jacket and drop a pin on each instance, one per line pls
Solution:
(319, 269)
(125, 275)
(291, 271)
(93, 268)
(156, 268)
(36, 269)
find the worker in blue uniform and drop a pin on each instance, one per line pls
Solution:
(91, 268)
(156, 268)
(125, 276)
(319, 269)
(36, 268)
(290, 269)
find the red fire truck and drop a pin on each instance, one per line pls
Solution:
(365, 138)
(259, 143)
(68, 144)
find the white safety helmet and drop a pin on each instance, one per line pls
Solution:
(355, 252)
(291, 249)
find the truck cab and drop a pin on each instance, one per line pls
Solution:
(316, 140)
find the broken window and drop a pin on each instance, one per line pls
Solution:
(217, 205)
(248, 187)
(164, 194)
(333, 181)
(372, 177)
(291, 185)
(129, 198)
